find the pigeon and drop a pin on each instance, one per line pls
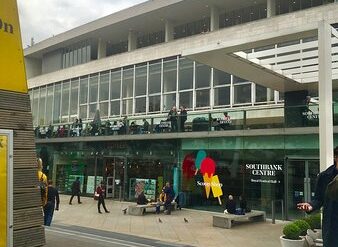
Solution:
(159, 220)
(185, 220)
(124, 211)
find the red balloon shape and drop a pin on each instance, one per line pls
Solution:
(188, 166)
(208, 166)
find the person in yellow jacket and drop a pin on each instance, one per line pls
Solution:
(43, 182)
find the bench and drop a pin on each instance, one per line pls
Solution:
(226, 220)
(139, 210)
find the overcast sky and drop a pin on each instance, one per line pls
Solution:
(42, 19)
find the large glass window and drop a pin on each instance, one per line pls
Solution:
(141, 80)
(127, 83)
(221, 78)
(186, 99)
(222, 96)
(74, 97)
(261, 93)
(65, 101)
(169, 75)
(186, 73)
(93, 88)
(57, 103)
(155, 78)
(140, 105)
(83, 111)
(203, 98)
(127, 107)
(84, 90)
(115, 108)
(203, 76)
(155, 103)
(104, 86)
(242, 93)
(42, 105)
(49, 104)
(104, 109)
(169, 100)
(115, 88)
(92, 109)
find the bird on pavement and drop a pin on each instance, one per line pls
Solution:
(124, 211)
(185, 220)
(159, 220)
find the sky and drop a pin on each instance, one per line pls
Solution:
(41, 19)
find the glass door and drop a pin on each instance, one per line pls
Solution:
(115, 172)
(300, 184)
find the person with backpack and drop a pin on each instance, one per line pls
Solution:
(76, 190)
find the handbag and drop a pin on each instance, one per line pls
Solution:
(96, 196)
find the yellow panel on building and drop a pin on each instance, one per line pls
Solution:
(12, 68)
(3, 190)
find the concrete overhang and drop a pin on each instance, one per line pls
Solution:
(232, 52)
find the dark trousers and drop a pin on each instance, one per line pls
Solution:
(48, 211)
(99, 202)
(167, 206)
(75, 194)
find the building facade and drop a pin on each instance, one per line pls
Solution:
(102, 97)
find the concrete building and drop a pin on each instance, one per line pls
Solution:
(246, 71)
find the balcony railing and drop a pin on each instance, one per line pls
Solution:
(262, 118)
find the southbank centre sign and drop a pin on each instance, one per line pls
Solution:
(264, 173)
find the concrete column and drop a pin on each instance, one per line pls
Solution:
(325, 95)
(101, 49)
(132, 40)
(214, 18)
(270, 8)
(169, 30)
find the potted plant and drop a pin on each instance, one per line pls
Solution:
(291, 237)
(303, 226)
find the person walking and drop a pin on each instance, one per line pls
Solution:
(100, 191)
(326, 196)
(76, 191)
(52, 204)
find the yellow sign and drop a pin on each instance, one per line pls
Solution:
(12, 68)
(3, 190)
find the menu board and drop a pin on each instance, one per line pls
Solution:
(137, 185)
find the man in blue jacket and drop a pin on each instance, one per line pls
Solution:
(326, 196)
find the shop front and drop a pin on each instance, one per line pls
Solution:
(124, 167)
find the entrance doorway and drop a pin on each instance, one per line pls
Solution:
(301, 175)
(115, 177)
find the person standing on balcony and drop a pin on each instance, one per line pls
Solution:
(172, 117)
(326, 196)
(183, 117)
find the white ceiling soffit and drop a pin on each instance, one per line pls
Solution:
(286, 66)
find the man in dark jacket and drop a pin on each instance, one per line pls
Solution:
(169, 197)
(325, 183)
(53, 202)
(76, 191)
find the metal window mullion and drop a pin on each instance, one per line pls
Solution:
(38, 113)
(177, 103)
(147, 89)
(61, 96)
(161, 93)
(78, 99)
(69, 97)
(194, 85)
(109, 94)
(212, 92)
(45, 113)
(98, 91)
(232, 91)
(253, 93)
(133, 100)
(121, 96)
(53, 103)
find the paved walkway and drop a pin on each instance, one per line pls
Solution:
(197, 232)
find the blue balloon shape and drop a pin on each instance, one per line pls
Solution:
(200, 156)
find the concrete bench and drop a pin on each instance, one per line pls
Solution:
(226, 220)
(140, 210)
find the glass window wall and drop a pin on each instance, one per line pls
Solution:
(186, 99)
(169, 100)
(57, 103)
(74, 97)
(35, 106)
(140, 105)
(242, 93)
(115, 88)
(127, 83)
(203, 98)
(222, 96)
(93, 88)
(203, 76)
(42, 105)
(155, 103)
(115, 108)
(169, 75)
(104, 86)
(49, 104)
(140, 80)
(65, 101)
(186, 73)
(155, 77)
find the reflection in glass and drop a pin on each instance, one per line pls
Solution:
(127, 106)
(84, 90)
(115, 88)
(186, 73)
(203, 75)
(57, 103)
(155, 103)
(140, 80)
(154, 78)
(74, 96)
(93, 88)
(261, 93)
(221, 78)
(49, 104)
(127, 83)
(203, 98)
(242, 93)
(104, 86)
(115, 108)
(140, 105)
(186, 99)
(222, 96)
(104, 109)
(42, 105)
(169, 100)
(169, 75)
(65, 101)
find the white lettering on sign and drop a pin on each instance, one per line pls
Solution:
(269, 170)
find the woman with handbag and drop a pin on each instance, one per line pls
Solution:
(100, 192)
